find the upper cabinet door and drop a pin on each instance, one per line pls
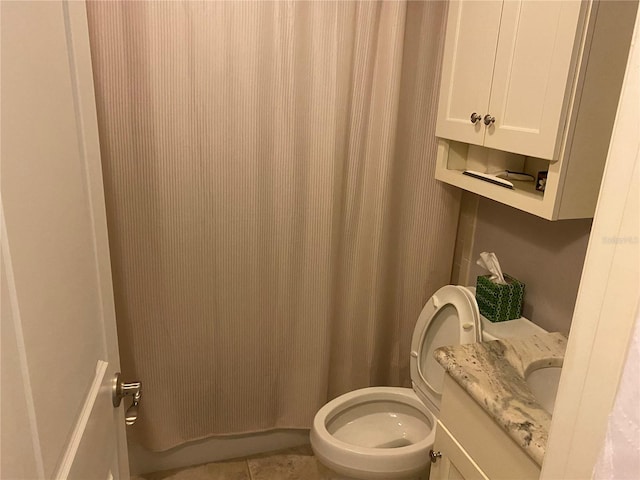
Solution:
(469, 52)
(533, 66)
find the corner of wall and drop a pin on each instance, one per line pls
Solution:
(465, 236)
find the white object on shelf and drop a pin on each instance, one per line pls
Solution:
(487, 177)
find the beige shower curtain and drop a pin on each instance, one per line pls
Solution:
(274, 223)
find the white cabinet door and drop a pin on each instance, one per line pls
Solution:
(58, 333)
(470, 47)
(531, 78)
(454, 462)
(444, 469)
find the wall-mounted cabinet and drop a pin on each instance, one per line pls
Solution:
(532, 86)
(509, 63)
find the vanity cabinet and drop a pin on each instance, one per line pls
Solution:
(469, 444)
(532, 86)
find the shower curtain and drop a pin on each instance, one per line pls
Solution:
(275, 227)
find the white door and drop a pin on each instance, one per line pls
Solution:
(467, 68)
(533, 65)
(58, 335)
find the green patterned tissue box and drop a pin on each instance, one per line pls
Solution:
(499, 302)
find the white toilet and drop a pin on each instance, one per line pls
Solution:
(387, 432)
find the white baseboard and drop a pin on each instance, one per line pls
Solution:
(214, 449)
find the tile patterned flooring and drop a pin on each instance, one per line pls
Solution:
(292, 464)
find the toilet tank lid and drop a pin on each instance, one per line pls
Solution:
(520, 327)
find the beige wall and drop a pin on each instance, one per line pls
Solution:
(546, 256)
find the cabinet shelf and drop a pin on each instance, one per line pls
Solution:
(524, 196)
(524, 191)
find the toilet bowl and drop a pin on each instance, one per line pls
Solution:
(387, 432)
(374, 433)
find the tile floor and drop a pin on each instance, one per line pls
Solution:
(291, 464)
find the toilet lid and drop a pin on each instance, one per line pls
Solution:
(450, 317)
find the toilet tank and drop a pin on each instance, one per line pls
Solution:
(520, 327)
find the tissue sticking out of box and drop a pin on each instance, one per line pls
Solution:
(489, 261)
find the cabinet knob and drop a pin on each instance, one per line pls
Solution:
(475, 118)
(489, 120)
(434, 456)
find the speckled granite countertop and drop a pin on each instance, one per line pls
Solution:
(493, 375)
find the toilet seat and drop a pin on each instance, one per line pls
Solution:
(450, 317)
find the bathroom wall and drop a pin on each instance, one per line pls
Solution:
(462, 255)
(546, 256)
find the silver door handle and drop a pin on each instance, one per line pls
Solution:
(124, 389)
(489, 120)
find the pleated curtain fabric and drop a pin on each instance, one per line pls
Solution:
(274, 223)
